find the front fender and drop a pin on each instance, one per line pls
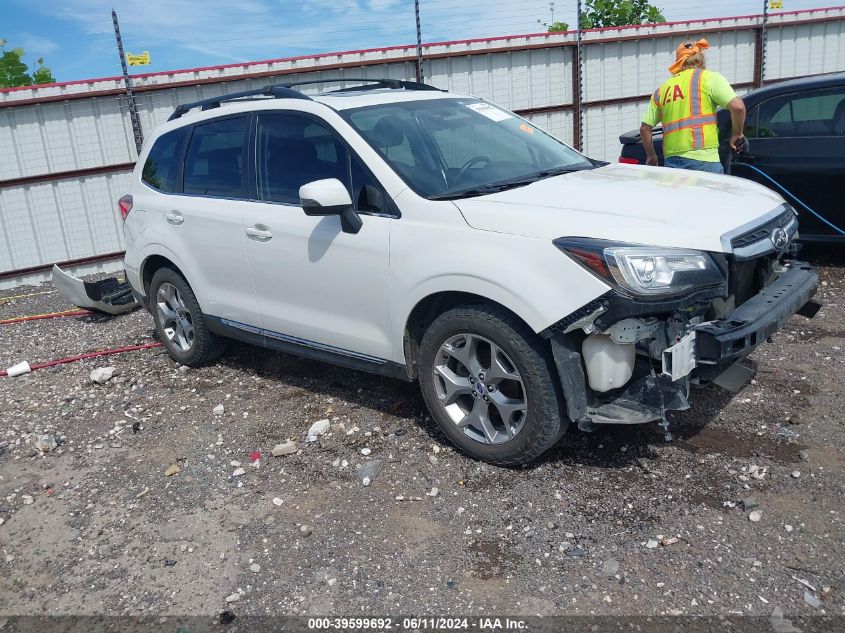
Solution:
(528, 276)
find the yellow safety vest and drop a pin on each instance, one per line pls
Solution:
(688, 115)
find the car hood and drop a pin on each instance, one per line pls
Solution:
(628, 203)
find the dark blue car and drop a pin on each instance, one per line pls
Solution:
(795, 133)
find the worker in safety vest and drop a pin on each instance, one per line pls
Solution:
(686, 106)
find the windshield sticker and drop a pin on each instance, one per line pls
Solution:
(526, 128)
(492, 113)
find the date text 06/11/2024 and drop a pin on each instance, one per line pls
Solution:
(376, 624)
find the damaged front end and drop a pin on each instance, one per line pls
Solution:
(673, 318)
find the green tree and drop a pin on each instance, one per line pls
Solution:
(601, 13)
(13, 72)
(554, 27)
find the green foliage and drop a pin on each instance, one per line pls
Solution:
(150, 174)
(554, 27)
(13, 72)
(602, 13)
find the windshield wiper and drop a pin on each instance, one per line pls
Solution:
(557, 171)
(510, 184)
(483, 189)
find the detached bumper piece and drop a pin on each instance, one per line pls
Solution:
(720, 343)
(108, 296)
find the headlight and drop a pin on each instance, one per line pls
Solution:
(644, 271)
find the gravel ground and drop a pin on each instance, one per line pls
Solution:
(617, 522)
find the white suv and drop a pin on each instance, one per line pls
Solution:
(399, 229)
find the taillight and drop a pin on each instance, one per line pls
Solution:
(125, 205)
(628, 161)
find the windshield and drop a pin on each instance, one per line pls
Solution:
(451, 148)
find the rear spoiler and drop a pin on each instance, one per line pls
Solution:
(633, 137)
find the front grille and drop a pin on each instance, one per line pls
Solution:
(763, 232)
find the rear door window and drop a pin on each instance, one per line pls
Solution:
(215, 162)
(162, 162)
(803, 115)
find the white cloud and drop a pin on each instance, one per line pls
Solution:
(35, 45)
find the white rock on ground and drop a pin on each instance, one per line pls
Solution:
(102, 375)
(286, 448)
(46, 443)
(234, 597)
(320, 427)
(218, 410)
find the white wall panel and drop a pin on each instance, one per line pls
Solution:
(60, 220)
(805, 49)
(64, 136)
(638, 67)
(604, 124)
(515, 80)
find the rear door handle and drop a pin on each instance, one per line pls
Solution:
(174, 217)
(259, 233)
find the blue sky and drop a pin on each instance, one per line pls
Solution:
(76, 38)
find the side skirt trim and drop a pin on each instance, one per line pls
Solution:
(306, 349)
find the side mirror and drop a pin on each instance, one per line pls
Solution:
(330, 197)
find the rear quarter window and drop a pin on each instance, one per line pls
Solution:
(162, 162)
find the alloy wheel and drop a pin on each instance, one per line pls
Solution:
(174, 316)
(480, 389)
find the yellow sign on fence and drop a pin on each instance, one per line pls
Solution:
(776, 4)
(142, 59)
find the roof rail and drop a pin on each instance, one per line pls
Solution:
(277, 92)
(288, 91)
(395, 84)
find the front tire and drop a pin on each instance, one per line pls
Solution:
(179, 321)
(490, 385)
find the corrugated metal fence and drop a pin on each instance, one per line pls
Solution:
(67, 149)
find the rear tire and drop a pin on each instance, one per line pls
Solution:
(490, 385)
(179, 321)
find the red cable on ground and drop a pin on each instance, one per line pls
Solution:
(50, 315)
(105, 352)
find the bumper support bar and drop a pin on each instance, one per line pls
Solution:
(724, 341)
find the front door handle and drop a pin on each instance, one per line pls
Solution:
(174, 217)
(259, 233)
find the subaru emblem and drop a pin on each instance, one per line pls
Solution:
(779, 238)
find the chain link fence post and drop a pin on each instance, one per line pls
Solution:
(133, 108)
(764, 36)
(420, 72)
(578, 85)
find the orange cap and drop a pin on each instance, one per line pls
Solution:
(685, 51)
